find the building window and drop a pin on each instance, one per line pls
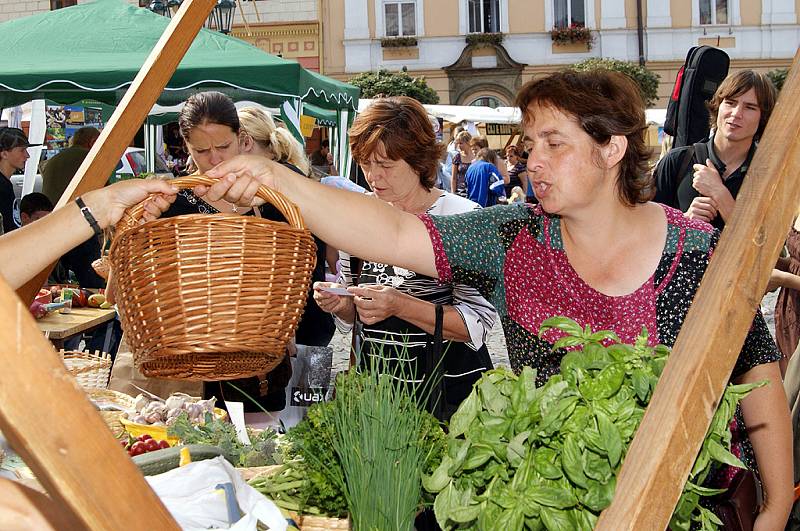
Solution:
(714, 12)
(486, 101)
(484, 16)
(569, 13)
(58, 4)
(399, 18)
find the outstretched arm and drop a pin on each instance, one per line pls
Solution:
(26, 251)
(361, 225)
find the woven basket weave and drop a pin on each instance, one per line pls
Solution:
(211, 297)
(91, 370)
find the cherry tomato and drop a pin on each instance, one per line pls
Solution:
(163, 444)
(144, 437)
(151, 445)
(138, 448)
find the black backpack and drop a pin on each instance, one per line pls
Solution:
(687, 116)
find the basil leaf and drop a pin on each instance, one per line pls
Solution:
(440, 478)
(611, 438)
(464, 415)
(605, 384)
(477, 456)
(555, 519)
(545, 462)
(718, 453)
(572, 462)
(565, 324)
(558, 498)
(599, 495)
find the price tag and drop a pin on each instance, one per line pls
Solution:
(338, 291)
(236, 414)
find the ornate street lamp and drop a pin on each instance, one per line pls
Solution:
(224, 15)
(159, 7)
(173, 6)
(220, 18)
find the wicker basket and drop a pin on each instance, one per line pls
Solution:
(90, 370)
(305, 522)
(323, 523)
(102, 266)
(112, 418)
(211, 297)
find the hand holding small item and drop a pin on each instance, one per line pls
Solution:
(375, 303)
(239, 179)
(702, 208)
(706, 179)
(331, 302)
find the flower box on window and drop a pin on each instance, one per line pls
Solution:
(484, 38)
(398, 42)
(572, 34)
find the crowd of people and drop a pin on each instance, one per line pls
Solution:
(428, 258)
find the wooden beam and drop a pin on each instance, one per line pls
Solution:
(131, 112)
(49, 421)
(672, 430)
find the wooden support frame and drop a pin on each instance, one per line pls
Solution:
(44, 414)
(48, 419)
(672, 430)
(131, 112)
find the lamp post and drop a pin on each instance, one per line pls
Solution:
(224, 15)
(220, 18)
(159, 7)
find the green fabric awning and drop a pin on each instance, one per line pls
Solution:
(95, 50)
(323, 116)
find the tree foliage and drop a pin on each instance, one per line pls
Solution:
(778, 77)
(384, 83)
(644, 78)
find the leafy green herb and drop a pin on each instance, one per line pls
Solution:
(216, 432)
(522, 457)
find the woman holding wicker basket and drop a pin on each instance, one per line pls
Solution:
(214, 131)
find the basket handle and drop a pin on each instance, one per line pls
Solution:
(289, 210)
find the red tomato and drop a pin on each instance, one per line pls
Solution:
(163, 444)
(144, 437)
(138, 448)
(151, 445)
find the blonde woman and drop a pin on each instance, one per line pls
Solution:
(263, 137)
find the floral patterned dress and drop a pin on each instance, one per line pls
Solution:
(514, 255)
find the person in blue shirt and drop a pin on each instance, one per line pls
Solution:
(481, 175)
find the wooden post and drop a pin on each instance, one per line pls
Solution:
(672, 431)
(131, 112)
(49, 421)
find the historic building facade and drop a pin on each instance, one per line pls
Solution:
(481, 51)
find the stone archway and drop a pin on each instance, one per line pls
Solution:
(484, 69)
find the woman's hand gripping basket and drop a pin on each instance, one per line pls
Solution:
(211, 297)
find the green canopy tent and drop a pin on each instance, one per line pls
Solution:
(95, 50)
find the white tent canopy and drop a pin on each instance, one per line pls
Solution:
(500, 115)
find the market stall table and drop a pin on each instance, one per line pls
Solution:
(59, 326)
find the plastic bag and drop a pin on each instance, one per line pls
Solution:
(191, 495)
(311, 375)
